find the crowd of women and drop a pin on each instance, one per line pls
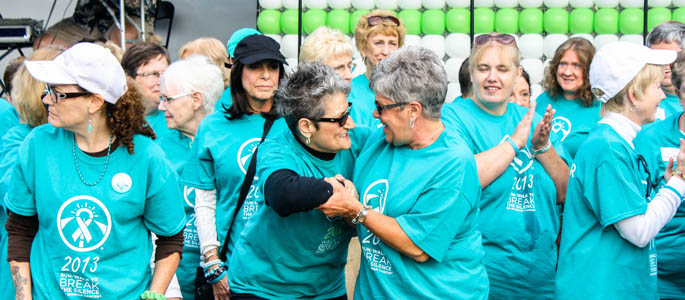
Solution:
(217, 176)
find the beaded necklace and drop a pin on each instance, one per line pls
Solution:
(80, 175)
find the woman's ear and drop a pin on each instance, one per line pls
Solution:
(520, 72)
(306, 127)
(95, 103)
(632, 99)
(198, 99)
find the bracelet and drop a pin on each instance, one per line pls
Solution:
(361, 215)
(213, 254)
(217, 274)
(677, 173)
(206, 265)
(217, 279)
(544, 149)
(513, 145)
(152, 295)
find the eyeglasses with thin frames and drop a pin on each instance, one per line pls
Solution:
(58, 96)
(342, 120)
(643, 163)
(381, 108)
(168, 99)
(154, 75)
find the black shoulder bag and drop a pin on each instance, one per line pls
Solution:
(203, 289)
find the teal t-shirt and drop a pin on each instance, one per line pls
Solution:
(218, 160)
(226, 100)
(158, 123)
(572, 120)
(363, 101)
(176, 146)
(657, 143)
(519, 218)
(8, 116)
(433, 194)
(93, 241)
(302, 255)
(605, 186)
(9, 146)
(668, 107)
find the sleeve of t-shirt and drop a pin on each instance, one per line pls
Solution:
(199, 170)
(611, 195)
(435, 219)
(20, 199)
(164, 213)
(272, 157)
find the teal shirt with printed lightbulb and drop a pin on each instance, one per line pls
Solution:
(93, 241)
(572, 119)
(519, 216)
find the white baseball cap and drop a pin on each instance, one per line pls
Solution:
(87, 65)
(617, 63)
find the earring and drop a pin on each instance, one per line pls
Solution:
(633, 108)
(411, 123)
(307, 141)
(90, 124)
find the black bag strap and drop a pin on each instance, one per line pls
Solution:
(247, 182)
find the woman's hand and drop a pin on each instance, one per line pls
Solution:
(680, 166)
(220, 289)
(522, 131)
(543, 129)
(344, 201)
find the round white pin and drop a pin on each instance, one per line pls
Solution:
(121, 182)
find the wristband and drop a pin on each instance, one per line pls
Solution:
(677, 173)
(206, 265)
(152, 295)
(513, 145)
(542, 150)
(217, 279)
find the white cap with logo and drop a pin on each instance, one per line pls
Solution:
(90, 66)
(616, 64)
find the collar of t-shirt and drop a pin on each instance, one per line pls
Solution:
(103, 152)
(626, 128)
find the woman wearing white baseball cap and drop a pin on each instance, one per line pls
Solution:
(610, 221)
(89, 187)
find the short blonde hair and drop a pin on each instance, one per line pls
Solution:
(649, 74)
(26, 90)
(212, 48)
(363, 31)
(323, 44)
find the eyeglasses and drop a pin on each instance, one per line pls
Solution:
(643, 164)
(154, 75)
(501, 38)
(375, 20)
(342, 120)
(57, 96)
(381, 108)
(341, 68)
(163, 98)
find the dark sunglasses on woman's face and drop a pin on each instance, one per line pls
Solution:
(57, 96)
(501, 38)
(342, 120)
(381, 108)
(375, 20)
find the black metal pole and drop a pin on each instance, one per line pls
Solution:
(299, 27)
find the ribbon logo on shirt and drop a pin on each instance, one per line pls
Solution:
(84, 223)
(187, 191)
(376, 195)
(245, 152)
(563, 125)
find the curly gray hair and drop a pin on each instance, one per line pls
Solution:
(412, 73)
(300, 94)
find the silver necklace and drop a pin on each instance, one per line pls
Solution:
(73, 151)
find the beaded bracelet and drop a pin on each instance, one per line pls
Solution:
(152, 295)
(206, 265)
(215, 275)
(218, 278)
(677, 173)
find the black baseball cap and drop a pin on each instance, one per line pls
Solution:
(255, 48)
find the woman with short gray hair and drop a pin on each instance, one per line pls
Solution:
(290, 249)
(418, 213)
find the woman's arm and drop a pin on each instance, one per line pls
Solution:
(21, 275)
(165, 269)
(493, 162)
(205, 216)
(21, 230)
(288, 193)
(550, 160)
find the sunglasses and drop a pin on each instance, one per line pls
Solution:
(57, 96)
(643, 164)
(501, 38)
(375, 20)
(381, 108)
(342, 120)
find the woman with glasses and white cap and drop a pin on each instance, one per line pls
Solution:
(658, 143)
(610, 220)
(521, 172)
(222, 151)
(188, 90)
(376, 35)
(89, 187)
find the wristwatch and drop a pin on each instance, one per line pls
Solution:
(361, 215)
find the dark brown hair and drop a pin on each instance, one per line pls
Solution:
(140, 54)
(585, 51)
(241, 105)
(10, 70)
(126, 118)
